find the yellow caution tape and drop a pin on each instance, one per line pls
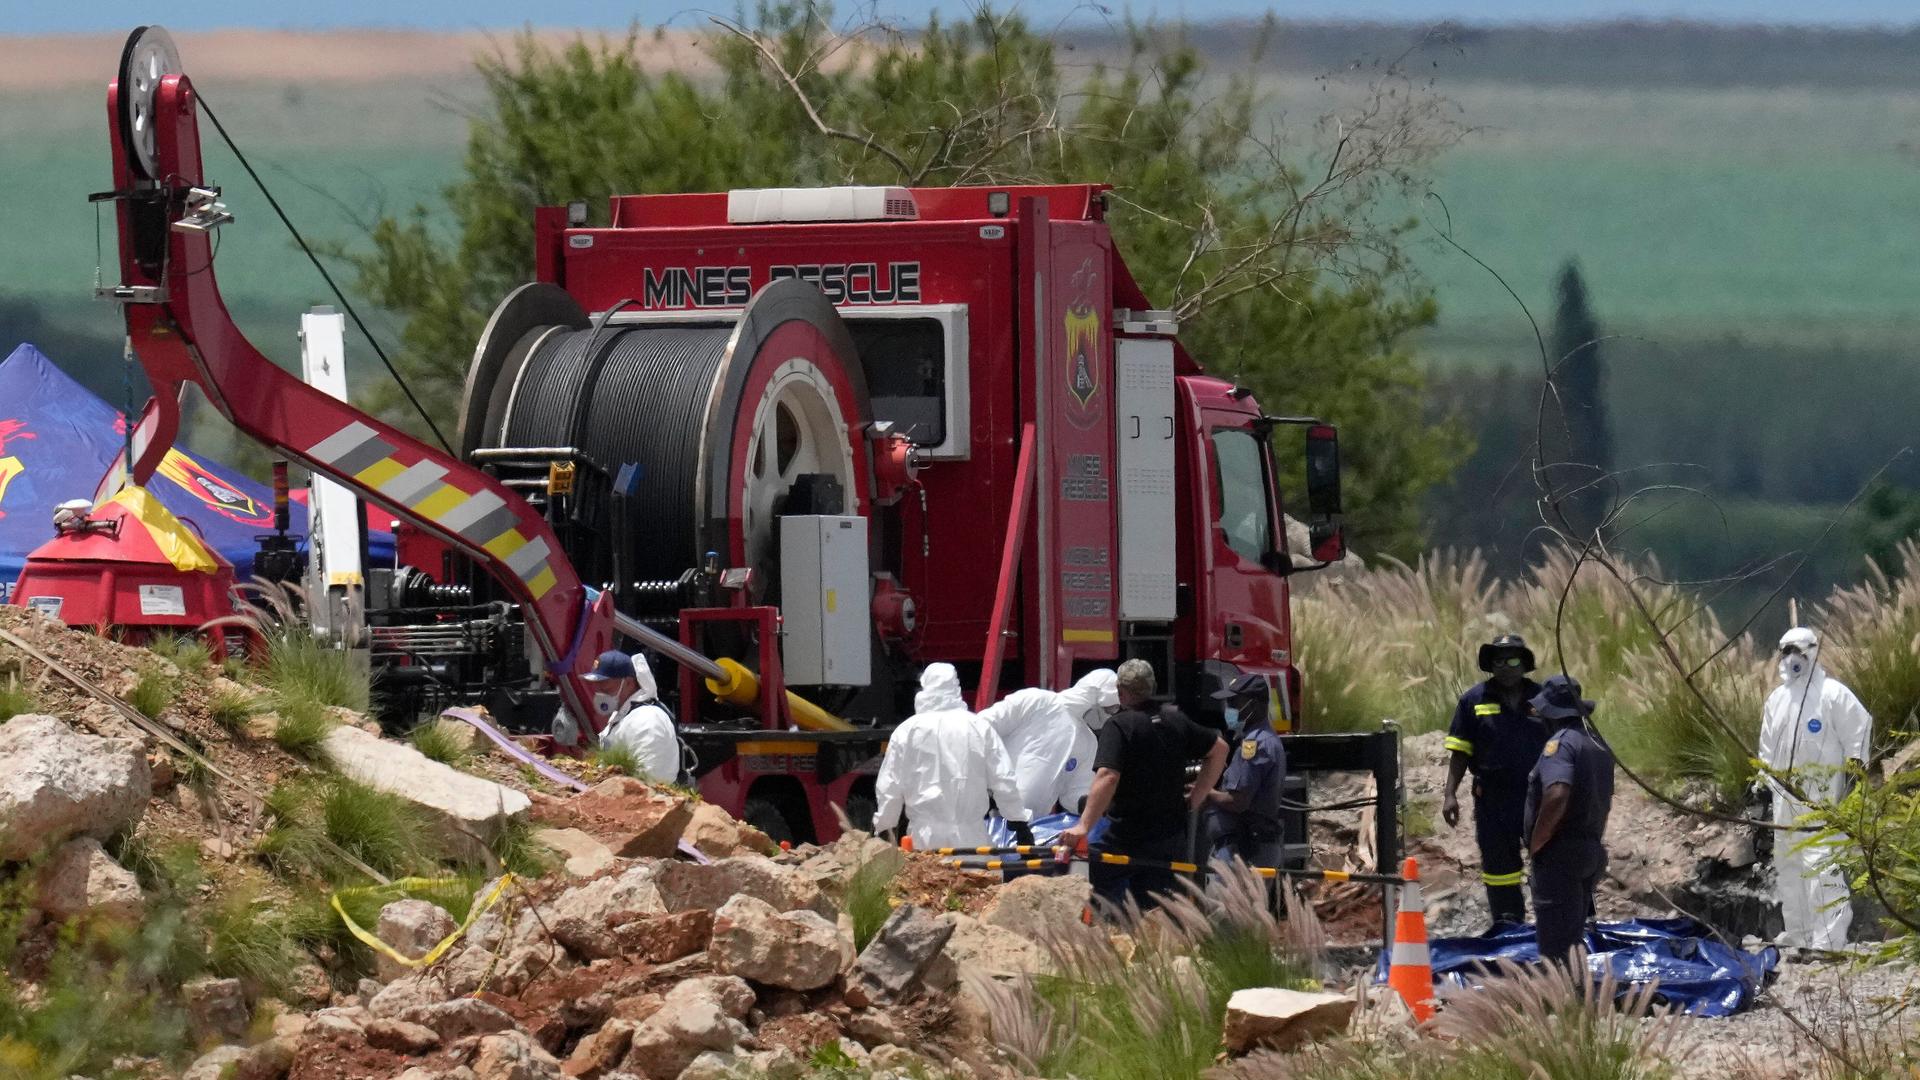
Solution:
(414, 885)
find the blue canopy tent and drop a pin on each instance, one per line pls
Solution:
(57, 439)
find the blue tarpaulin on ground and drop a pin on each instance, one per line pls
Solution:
(57, 439)
(1697, 972)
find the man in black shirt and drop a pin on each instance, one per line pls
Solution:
(1140, 778)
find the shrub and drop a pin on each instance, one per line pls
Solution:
(1158, 1011)
(620, 759)
(152, 694)
(517, 848)
(869, 898)
(187, 652)
(302, 728)
(249, 939)
(384, 831)
(302, 668)
(230, 710)
(16, 699)
(439, 742)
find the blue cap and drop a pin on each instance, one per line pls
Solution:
(1559, 699)
(613, 664)
(1245, 686)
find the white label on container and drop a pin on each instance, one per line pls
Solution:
(47, 605)
(162, 600)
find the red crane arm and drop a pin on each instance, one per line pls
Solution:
(179, 326)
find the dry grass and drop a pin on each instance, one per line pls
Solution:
(1401, 641)
(1149, 1000)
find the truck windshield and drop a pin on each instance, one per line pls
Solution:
(1242, 486)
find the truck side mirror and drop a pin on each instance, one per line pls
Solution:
(1323, 494)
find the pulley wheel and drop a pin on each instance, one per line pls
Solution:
(149, 57)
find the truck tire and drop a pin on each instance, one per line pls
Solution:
(766, 816)
(860, 810)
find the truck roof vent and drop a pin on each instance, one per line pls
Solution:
(760, 205)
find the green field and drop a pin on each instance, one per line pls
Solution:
(1753, 245)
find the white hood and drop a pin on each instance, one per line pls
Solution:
(1088, 699)
(1801, 670)
(643, 675)
(939, 690)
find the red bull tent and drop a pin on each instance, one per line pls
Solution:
(57, 439)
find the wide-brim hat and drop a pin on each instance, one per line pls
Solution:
(1505, 645)
(1559, 699)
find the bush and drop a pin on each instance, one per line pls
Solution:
(230, 710)
(16, 699)
(302, 668)
(869, 898)
(302, 728)
(439, 742)
(250, 939)
(1402, 641)
(384, 831)
(1105, 1014)
(187, 652)
(620, 759)
(517, 848)
(152, 694)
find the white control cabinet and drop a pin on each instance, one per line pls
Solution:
(1144, 400)
(824, 585)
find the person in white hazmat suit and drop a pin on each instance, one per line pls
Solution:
(941, 766)
(1049, 735)
(626, 694)
(1810, 728)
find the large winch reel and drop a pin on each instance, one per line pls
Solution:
(722, 419)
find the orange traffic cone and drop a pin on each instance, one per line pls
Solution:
(906, 842)
(1411, 970)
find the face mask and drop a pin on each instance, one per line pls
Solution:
(1234, 723)
(1792, 666)
(604, 704)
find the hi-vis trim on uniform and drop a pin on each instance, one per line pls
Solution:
(1487, 708)
(1462, 745)
(1518, 877)
(481, 518)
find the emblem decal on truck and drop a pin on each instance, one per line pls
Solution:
(1083, 345)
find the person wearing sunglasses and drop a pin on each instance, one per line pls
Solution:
(1812, 729)
(1495, 736)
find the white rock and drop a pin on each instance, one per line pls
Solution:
(412, 928)
(82, 879)
(463, 803)
(585, 855)
(1278, 1019)
(216, 1064)
(216, 1009)
(57, 783)
(798, 950)
(686, 886)
(1037, 904)
(512, 1055)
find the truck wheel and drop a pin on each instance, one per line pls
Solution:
(860, 811)
(766, 817)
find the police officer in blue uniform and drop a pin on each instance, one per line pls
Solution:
(1244, 810)
(1494, 737)
(1569, 795)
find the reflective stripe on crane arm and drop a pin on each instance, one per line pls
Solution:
(190, 337)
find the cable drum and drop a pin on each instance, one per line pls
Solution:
(720, 418)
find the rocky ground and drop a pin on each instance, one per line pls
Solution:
(633, 959)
